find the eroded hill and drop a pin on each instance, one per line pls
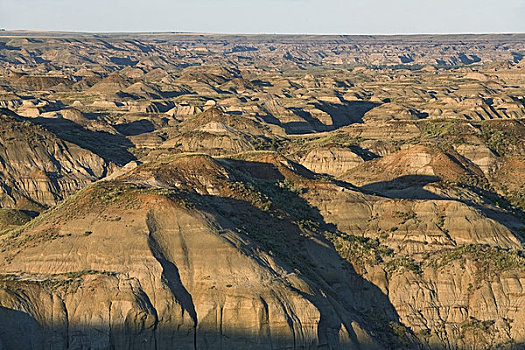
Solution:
(181, 191)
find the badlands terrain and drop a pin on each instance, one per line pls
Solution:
(187, 191)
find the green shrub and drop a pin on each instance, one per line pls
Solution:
(404, 262)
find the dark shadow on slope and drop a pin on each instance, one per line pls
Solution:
(173, 94)
(405, 59)
(364, 153)
(18, 330)
(136, 127)
(517, 57)
(293, 231)
(265, 171)
(511, 217)
(170, 274)
(490, 104)
(308, 125)
(418, 114)
(468, 59)
(111, 147)
(123, 61)
(519, 100)
(341, 296)
(344, 114)
(92, 115)
(125, 95)
(404, 187)
(270, 119)
(261, 83)
(127, 338)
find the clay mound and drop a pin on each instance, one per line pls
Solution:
(199, 173)
(238, 85)
(184, 110)
(42, 83)
(144, 91)
(74, 115)
(414, 161)
(214, 143)
(477, 76)
(414, 226)
(141, 106)
(211, 75)
(131, 72)
(194, 172)
(332, 160)
(113, 83)
(86, 82)
(155, 75)
(218, 133)
(13, 75)
(85, 73)
(391, 112)
(216, 127)
(235, 122)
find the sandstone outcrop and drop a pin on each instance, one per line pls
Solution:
(38, 169)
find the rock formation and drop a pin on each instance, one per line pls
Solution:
(162, 191)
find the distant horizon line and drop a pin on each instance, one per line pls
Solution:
(29, 31)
